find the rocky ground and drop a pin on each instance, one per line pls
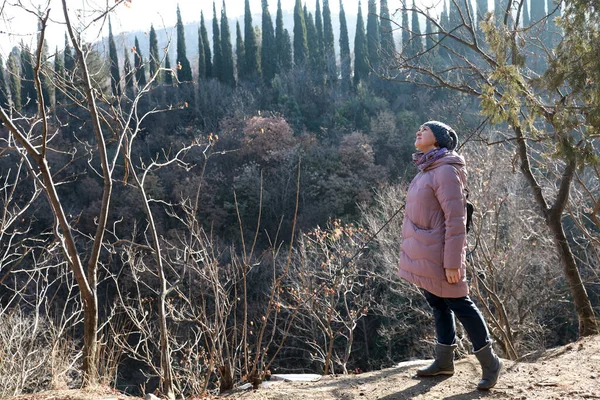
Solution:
(568, 372)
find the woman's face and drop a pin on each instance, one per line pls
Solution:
(425, 139)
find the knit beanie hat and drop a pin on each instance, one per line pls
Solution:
(444, 135)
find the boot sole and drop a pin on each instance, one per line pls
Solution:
(436, 374)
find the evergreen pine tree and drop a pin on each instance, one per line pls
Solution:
(140, 74)
(388, 46)
(14, 80)
(207, 52)
(217, 62)
(526, 18)
(444, 17)
(300, 39)
(313, 46)
(345, 61)
(361, 61)
(268, 52)
(168, 76)
(252, 65)
(115, 75)
(429, 43)
(279, 28)
(154, 56)
(405, 28)
(373, 35)
(69, 59)
(28, 92)
(59, 72)
(329, 43)
(226, 49)
(128, 74)
(3, 87)
(285, 57)
(201, 57)
(416, 44)
(184, 70)
(240, 51)
(320, 51)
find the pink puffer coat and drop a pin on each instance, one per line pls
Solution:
(433, 232)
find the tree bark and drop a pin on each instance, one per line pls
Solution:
(553, 217)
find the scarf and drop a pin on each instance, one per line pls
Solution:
(424, 160)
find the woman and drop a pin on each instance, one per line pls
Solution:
(433, 250)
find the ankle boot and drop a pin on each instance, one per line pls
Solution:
(443, 364)
(490, 367)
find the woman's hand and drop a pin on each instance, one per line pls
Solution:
(453, 275)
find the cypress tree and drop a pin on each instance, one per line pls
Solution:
(313, 45)
(28, 92)
(361, 61)
(154, 56)
(406, 28)
(69, 59)
(526, 18)
(14, 80)
(168, 77)
(373, 35)
(388, 46)
(329, 43)
(207, 52)
(279, 39)
(240, 51)
(320, 55)
(115, 75)
(140, 74)
(268, 54)
(3, 87)
(128, 73)
(300, 40)
(252, 65)
(184, 70)
(429, 43)
(345, 61)
(217, 63)
(201, 57)
(417, 43)
(59, 72)
(443, 17)
(482, 9)
(226, 49)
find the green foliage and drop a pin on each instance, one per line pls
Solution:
(416, 44)
(4, 103)
(240, 50)
(373, 35)
(300, 39)
(202, 55)
(218, 56)
(328, 43)
(251, 64)
(28, 91)
(14, 78)
(345, 58)
(168, 71)
(268, 52)
(154, 55)
(184, 70)
(140, 73)
(388, 46)
(59, 73)
(69, 59)
(361, 57)
(283, 43)
(228, 76)
(115, 75)
(406, 29)
(207, 52)
(128, 74)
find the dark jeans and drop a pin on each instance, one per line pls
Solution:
(467, 313)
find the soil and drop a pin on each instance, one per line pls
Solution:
(567, 372)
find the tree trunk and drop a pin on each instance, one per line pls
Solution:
(583, 306)
(90, 340)
(553, 218)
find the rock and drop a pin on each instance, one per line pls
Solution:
(150, 396)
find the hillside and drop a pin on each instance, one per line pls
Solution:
(567, 372)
